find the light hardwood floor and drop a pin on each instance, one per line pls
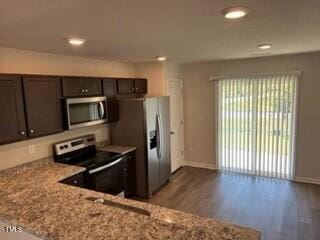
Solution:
(279, 209)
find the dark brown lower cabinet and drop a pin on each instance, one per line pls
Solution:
(130, 174)
(43, 105)
(12, 117)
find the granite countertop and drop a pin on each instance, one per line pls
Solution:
(117, 149)
(32, 197)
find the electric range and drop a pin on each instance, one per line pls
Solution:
(104, 170)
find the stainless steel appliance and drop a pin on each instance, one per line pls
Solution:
(145, 124)
(83, 112)
(104, 170)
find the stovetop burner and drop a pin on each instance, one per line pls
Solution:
(100, 158)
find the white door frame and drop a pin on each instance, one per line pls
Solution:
(179, 80)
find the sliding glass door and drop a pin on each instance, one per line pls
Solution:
(256, 125)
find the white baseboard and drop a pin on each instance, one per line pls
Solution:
(200, 165)
(214, 167)
(307, 180)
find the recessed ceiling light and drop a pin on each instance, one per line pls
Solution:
(235, 12)
(76, 41)
(264, 46)
(162, 58)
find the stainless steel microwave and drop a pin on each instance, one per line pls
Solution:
(83, 112)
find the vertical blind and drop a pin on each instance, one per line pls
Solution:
(256, 124)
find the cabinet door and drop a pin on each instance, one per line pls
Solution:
(43, 106)
(12, 117)
(130, 174)
(109, 88)
(112, 108)
(125, 86)
(140, 85)
(72, 87)
(92, 86)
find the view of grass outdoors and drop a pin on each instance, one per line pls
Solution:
(256, 127)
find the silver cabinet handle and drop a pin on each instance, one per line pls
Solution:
(133, 89)
(22, 133)
(82, 90)
(86, 90)
(75, 181)
(31, 131)
(137, 88)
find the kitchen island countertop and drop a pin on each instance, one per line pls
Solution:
(32, 197)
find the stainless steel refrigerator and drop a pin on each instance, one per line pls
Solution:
(145, 124)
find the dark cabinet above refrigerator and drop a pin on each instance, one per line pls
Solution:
(132, 86)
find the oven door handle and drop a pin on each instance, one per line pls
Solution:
(99, 169)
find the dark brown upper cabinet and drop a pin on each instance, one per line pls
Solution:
(110, 91)
(109, 87)
(141, 86)
(76, 87)
(130, 86)
(92, 86)
(43, 105)
(125, 86)
(12, 117)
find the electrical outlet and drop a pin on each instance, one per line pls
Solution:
(31, 149)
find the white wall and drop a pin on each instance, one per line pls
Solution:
(155, 73)
(20, 61)
(173, 70)
(199, 106)
(158, 74)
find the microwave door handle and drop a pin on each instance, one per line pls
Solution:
(157, 135)
(101, 110)
(104, 167)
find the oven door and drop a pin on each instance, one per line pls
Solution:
(107, 178)
(83, 112)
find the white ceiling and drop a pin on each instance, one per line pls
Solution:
(139, 30)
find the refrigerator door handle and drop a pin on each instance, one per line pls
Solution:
(161, 135)
(158, 136)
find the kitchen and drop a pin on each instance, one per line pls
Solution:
(96, 170)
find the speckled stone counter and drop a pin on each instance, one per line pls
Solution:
(33, 198)
(117, 149)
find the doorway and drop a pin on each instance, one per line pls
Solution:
(175, 89)
(256, 125)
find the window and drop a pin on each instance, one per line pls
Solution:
(256, 125)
